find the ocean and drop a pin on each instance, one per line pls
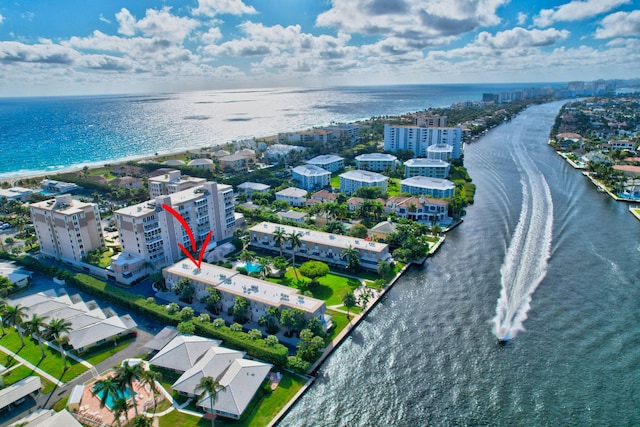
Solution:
(53, 134)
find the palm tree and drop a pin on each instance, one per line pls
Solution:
(15, 316)
(265, 265)
(35, 325)
(247, 256)
(349, 301)
(5, 285)
(56, 328)
(105, 388)
(142, 421)
(126, 374)
(121, 406)
(352, 255)
(150, 377)
(3, 310)
(294, 239)
(208, 386)
(279, 237)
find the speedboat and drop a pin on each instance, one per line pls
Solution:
(503, 335)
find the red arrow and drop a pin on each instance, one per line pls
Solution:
(186, 226)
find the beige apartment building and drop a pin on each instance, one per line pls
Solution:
(320, 246)
(172, 182)
(67, 229)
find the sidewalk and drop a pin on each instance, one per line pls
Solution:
(32, 366)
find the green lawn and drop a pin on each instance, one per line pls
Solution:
(335, 181)
(331, 290)
(267, 408)
(353, 310)
(52, 363)
(104, 352)
(340, 320)
(393, 187)
(22, 372)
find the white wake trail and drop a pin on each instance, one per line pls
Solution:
(526, 259)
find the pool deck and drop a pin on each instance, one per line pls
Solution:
(90, 404)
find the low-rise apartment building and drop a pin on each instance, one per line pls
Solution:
(67, 229)
(319, 246)
(376, 162)
(292, 195)
(352, 180)
(426, 167)
(421, 209)
(260, 294)
(433, 187)
(329, 162)
(310, 177)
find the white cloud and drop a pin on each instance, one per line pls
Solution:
(576, 10)
(422, 23)
(44, 53)
(127, 22)
(620, 24)
(1, 18)
(519, 37)
(103, 19)
(522, 18)
(217, 7)
(212, 36)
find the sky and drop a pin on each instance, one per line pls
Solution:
(71, 47)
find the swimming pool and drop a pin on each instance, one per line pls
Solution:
(250, 267)
(126, 393)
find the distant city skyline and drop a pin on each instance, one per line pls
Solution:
(122, 46)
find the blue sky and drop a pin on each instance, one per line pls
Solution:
(122, 46)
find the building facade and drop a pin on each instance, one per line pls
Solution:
(310, 177)
(352, 180)
(329, 162)
(421, 209)
(432, 187)
(418, 139)
(293, 196)
(316, 245)
(439, 152)
(150, 234)
(172, 182)
(426, 167)
(376, 162)
(67, 229)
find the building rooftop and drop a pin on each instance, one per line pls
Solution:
(323, 159)
(364, 176)
(253, 186)
(423, 162)
(376, 156)
(292, 192)
(310, 170)
(312, 236)
(427, 182)
(64, 204)
(439, 148)
(183, 351)
(230, 281)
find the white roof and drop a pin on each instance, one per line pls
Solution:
(182, 352)
(310, 170)
(427, 182)
(376, 156)
(423, 162)
(364, 176)
(240, 382)
(212, 364)
(174, 163)
(312, 236)
(196, 162)
(439, 147)
(230, 281)
(324, 159)
(292, 215)
(292, 192)
(16, 391)
(49, 418)
(76, 394)
(255, 186)
(103, 330)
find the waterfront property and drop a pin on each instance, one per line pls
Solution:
(310, 177)
(292, 195)
(433, 187)
(320, 246)
(350, 181)
(439, 151)
(19, 194)
(150, 235)
(196, 357)
(329, 162)
(422, 209)
(276, 152)
(260, 294)
(376, 162)
(67, 229)
(58, 187)
(172, 182)
(426, 167)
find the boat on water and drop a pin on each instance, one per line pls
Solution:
(504, 335)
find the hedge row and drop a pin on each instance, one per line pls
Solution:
(276, 354)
